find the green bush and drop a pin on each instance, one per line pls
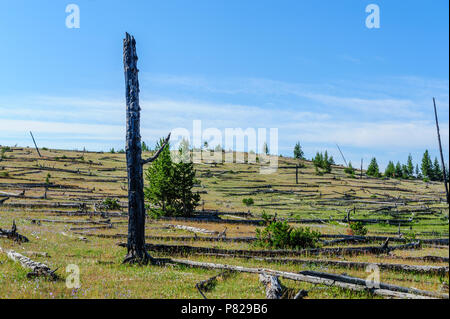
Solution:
(280, 235)
(111, 203)
(410, 237)
(349, 170)
(248, 201)
(357, 229)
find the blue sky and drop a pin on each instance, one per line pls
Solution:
(312, 69)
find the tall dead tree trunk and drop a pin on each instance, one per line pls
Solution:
(136, 209)
(37, 149)
(440, 150)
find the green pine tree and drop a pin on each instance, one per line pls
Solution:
(438, 175)
(390, 170)
(398, 170)
(427, 166)
(418, 174)
(410, 166)
(184, 181)
(373, 169)
(298, 152)
(171, 183)
(265, 148)
(160, 176)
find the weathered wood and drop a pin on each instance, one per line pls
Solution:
(362, 282)
(136, 209)
(440, 150)
(91, 228)
(193, 229)
(208, 284)
(298, 277)
(11, 194)
(37, 149)
(37, 269)
(13, 234)
(185, 249)
(179, 238)
(274, 290)
(404, 268)
(76, 237)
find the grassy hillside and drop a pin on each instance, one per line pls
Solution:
(62, 231)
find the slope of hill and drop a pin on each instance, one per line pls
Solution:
(51, 200)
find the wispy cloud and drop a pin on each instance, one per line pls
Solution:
(315, 115)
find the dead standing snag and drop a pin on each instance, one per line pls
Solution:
(136, 209)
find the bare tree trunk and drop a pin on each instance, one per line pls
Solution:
(136, 209)
(361, 168)
(440, 150)
(37, 149)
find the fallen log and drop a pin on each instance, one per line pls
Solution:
(193, 229)
(422, 269)
(298, 277)
(43, 205)
(76, 222)
(91, 228)
(11, 194)
(37, 269)
(177, 238)
(13, 234)
(184, 249)
(274, 290)
(208, 284)
(76, 237)
(422, 258)
(362, 282)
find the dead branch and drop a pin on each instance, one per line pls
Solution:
(13, 234)
(155, 156)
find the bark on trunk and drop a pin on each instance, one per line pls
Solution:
(136, 209)
(133, 147)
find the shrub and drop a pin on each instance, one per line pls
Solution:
(349, 170)
(324, 162)
(410, 237)
(111, 203)
(266, 218)
(47, 179)
(281, 235)
(248, 201)
(357, 229)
